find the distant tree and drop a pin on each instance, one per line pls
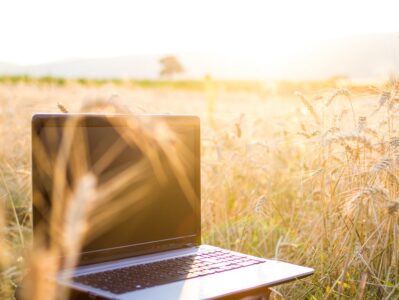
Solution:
(170, 66)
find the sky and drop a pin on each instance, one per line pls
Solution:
(35, 32)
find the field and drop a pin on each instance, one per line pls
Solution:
(309, 177)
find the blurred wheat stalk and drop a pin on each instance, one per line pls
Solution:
(81, 210)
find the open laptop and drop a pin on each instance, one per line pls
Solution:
(151, 248)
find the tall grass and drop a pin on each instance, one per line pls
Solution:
(311, 179)
(324, 195)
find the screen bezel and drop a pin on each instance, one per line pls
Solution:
(40, 121)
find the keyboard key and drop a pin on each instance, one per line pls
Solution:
(142, 276)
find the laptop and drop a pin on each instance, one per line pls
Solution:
(144, 241)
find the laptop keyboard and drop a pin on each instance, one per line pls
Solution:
(142, 276)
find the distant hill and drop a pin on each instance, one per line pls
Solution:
(6, 68)
(362, 56)
(128, 66)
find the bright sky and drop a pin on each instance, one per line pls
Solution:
(33, 32)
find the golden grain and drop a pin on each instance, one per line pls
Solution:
(332, 197)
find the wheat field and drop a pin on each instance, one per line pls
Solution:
(309, 177)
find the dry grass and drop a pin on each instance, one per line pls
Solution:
(312, 182)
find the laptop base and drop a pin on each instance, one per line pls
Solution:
(241, 281)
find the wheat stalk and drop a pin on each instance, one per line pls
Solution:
(76, 214)
(393, 207)
(384, 98)
(377, 192)
(339, 92)
(362, 123)
(351, 137)
(40, 284)
(62, 108)
(383, 164)
(309, 107)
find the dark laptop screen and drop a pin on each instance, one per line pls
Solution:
(147, 192)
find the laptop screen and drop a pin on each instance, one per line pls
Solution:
(143, 175)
